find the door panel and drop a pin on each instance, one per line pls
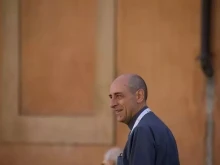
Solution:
(57, 51)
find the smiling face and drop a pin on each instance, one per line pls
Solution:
(122, 101)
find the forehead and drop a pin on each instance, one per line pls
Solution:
(119, 86)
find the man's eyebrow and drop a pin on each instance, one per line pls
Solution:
(116, 93)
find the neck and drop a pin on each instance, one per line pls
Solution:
(135, 115)
(140, 107)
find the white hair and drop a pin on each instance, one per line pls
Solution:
(112, 154)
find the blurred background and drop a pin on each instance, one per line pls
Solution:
(58, 58)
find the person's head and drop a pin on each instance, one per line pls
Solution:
(128, 94)
(111, 156)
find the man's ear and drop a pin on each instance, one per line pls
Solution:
(140, 96)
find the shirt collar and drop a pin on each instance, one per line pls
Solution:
(134, 118)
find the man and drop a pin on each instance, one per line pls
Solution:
(110, 157)
(150, 141)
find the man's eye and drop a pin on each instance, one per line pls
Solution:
(119, 96)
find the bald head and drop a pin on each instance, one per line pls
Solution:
(110, 157)
(134, 82)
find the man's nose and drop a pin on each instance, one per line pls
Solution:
(113, 103)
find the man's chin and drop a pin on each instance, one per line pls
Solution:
(120, 119)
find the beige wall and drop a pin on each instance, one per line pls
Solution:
(160, 40)
(67, 44)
